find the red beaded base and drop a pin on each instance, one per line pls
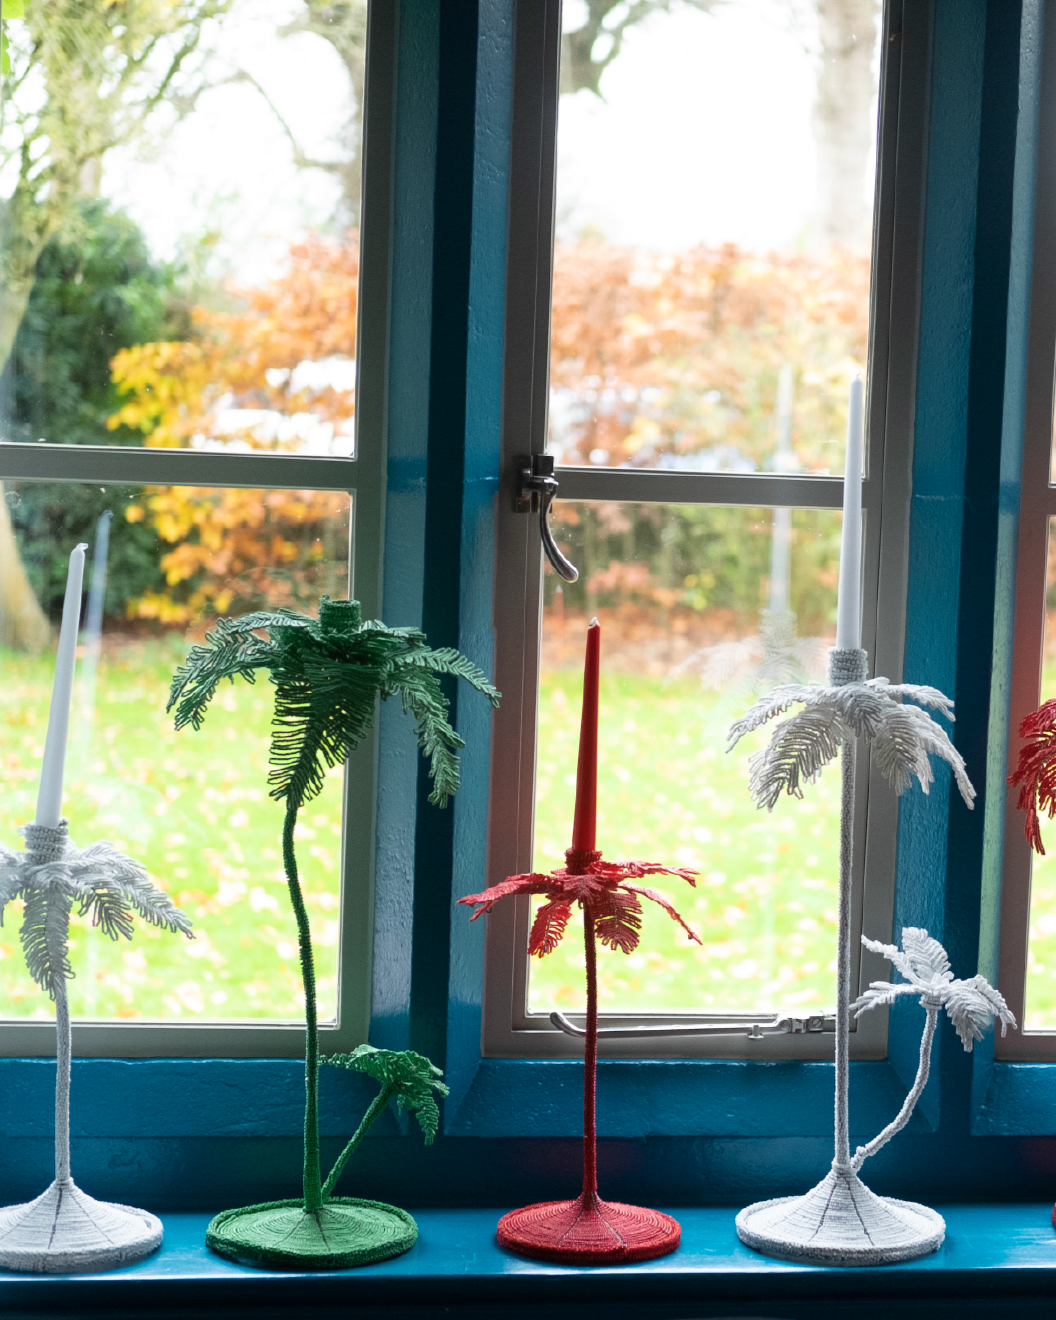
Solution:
(588, 1231)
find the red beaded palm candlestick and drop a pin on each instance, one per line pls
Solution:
(588, 1230)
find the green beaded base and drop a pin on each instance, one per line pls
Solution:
(346, 1231)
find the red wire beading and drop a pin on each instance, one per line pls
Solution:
(588, 1231)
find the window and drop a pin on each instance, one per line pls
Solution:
(178, 390)
(1028, 900)
(689, 375)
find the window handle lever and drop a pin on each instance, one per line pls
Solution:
(778, 1026)
(536, 488)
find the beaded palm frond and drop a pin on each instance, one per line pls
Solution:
(1035, 773)
(902, 736)
(98, 881)
(602, 889)
(327, 674)
(971, 1004)
(406, 1077)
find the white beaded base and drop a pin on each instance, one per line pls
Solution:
(841, 1222)
(64, 1231)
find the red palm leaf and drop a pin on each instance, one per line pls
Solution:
(1035, 775)
(661, 901)
(529, 883)
(617, 919)
(548, 926)
(635, 870)
(599, 889)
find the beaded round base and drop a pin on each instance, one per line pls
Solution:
(588, 1231)
(65, 1231)
(346, 1231)
(841, 1222)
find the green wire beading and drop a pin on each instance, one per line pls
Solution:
(346, 1231)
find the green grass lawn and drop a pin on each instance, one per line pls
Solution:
(194, 808)
(765, 902)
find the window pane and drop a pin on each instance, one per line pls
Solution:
(178, 288)
(1040, 998)
(192, 806)
(714, 207)
(702, 608)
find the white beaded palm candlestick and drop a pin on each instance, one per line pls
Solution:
(840, 1221)
(64, 1229)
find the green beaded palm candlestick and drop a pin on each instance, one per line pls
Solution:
(328, 673)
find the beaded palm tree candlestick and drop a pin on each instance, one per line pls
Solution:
(587, 1230)
(1035, 777)
(328, 674)
(840, 1221)
(64, 1229)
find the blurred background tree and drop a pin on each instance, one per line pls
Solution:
(80, 78)
(843, 127)
(97, 289)
(278, 375)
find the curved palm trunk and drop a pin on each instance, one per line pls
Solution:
(910, 1103)
(313, 1196)
(62, 1084)
(590, 1066)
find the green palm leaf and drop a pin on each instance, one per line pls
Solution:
(409, 1078)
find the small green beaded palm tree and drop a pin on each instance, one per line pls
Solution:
(328, 674)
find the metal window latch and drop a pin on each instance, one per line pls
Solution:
(536, 488)
(778, 1026)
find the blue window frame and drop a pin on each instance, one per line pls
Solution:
(436, 225)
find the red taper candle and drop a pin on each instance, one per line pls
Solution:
(585, 822)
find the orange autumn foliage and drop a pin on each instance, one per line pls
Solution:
(655, 358)
(251, 379)
(678, 353)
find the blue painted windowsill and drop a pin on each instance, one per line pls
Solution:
(992, 1254)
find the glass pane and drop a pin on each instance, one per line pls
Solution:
(702, 608)
(714, 213)
(1040, 996)
(192, 806)
(181, 265)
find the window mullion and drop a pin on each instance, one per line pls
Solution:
(643, 486)
(174, 467)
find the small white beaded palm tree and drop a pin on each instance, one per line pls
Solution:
(971, 1006)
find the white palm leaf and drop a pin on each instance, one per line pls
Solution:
(971, 1004)
(773, 703)
(99, 881)
(800, 748)
(903, 737)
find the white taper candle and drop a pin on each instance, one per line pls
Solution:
(849, 599)
(49, 799)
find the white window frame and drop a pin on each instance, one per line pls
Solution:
(508, 1029)
(362, 476)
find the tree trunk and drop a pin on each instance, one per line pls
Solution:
(23, 624)
(844, 128)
